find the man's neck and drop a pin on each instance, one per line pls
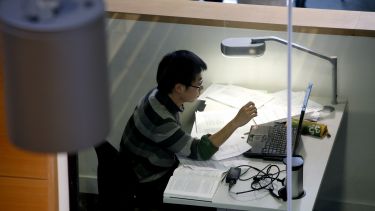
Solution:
(176, 100)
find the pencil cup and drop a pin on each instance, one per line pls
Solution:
(297, 177)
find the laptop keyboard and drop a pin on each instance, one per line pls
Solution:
(276, 144)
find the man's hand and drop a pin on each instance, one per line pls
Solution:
(245, 114)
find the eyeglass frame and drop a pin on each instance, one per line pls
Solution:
(198, 87)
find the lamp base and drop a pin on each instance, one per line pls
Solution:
(301, 195)
(328, 108)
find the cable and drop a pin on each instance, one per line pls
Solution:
(263, 179)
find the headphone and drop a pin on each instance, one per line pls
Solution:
(281, 193)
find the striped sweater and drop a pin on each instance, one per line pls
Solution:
(153, 136)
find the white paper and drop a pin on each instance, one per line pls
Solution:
(280, 100)
(211, 122)
(236, 96)
(213, 88)
(231, 150)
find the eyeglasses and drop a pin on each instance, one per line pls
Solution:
(198, 87)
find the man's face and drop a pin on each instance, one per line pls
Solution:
(193, 91)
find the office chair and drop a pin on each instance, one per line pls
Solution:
(116, 181)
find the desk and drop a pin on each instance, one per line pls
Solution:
(316, 153)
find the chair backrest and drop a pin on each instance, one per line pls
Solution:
(116, 190)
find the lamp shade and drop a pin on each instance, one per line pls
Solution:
(56, 79)
(242, 46)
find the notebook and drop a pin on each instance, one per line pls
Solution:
(268, 141)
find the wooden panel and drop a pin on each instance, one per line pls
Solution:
(251, 16)
(18, 194)
(17, 163)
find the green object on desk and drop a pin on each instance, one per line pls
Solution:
(312, 128)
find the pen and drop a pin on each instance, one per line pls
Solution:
(256, 125)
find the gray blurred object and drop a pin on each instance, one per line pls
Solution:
(56, 82)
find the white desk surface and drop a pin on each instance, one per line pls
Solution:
(316, 153)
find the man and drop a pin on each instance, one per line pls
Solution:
(153, 134)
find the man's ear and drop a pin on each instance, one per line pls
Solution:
(179, 88)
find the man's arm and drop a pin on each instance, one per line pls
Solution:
(244, 115)
(204, 148)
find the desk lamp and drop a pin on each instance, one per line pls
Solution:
(245, 46)
(56, 87)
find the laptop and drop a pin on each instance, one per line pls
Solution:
(268, 141)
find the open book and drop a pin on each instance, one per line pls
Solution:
(193, 182)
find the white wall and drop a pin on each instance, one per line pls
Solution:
(136, 47)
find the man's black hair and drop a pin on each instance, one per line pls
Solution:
(180, 66)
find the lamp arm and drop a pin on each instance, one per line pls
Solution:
(294, 45)
(331, 59)
(334, 79)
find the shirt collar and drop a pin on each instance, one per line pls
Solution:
(168, 103)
